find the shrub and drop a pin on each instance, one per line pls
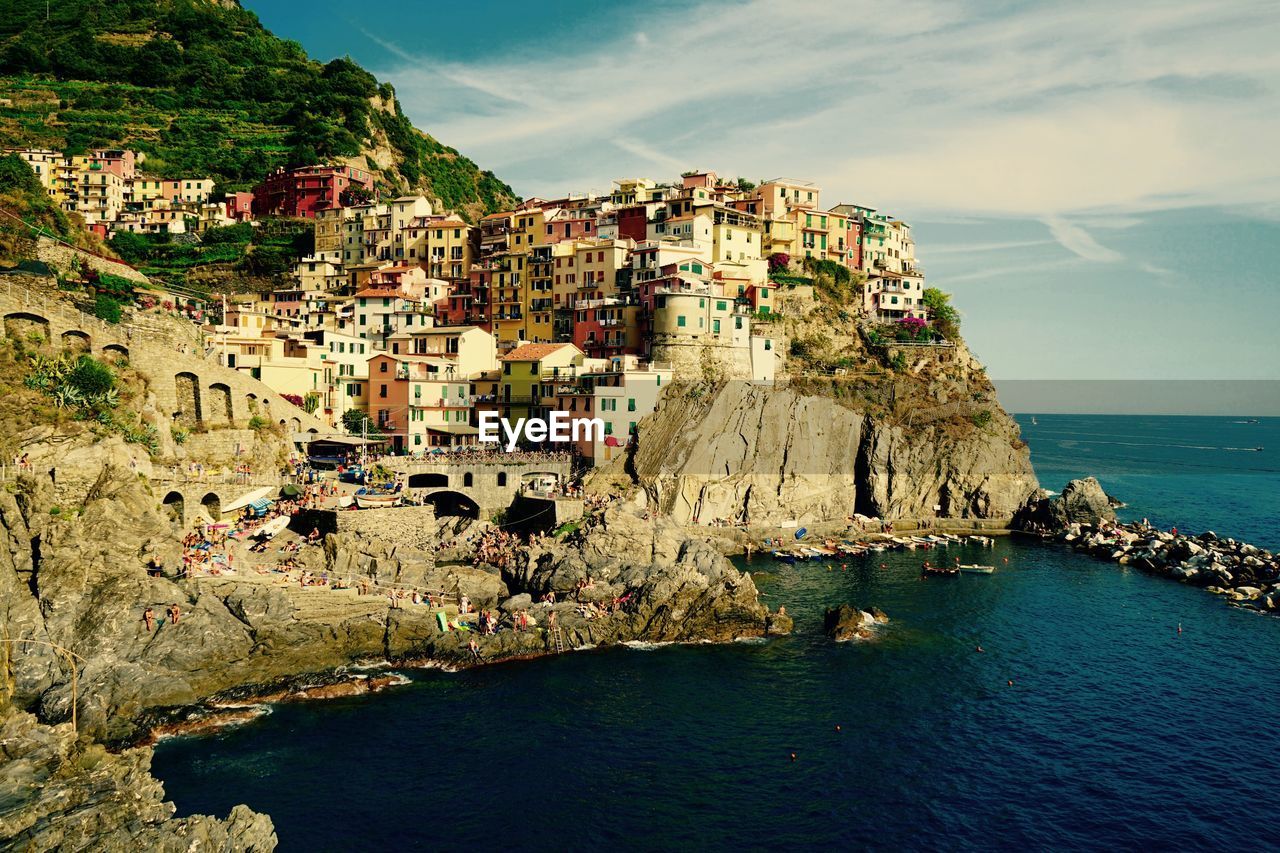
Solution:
(259, 423)
(898, 362)
(981, 419)
(91, 378)
(106, 308)
(946, 319)
(179, 434)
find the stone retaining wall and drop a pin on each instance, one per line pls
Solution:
(64, 258)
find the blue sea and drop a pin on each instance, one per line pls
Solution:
(1117, 731)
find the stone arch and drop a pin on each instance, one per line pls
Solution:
(22, 325)
(452, 503)
(115, 351)
(428, 481)
(212, 504)
(219, 406)
(468, 480)
(251, 403)
(313, 431)
(502, 478)
(77, 341)
(187, 393)
(176, 506)
(295, 425)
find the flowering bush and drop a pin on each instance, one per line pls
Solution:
(912, 329)
(779, 261)
(293, 398)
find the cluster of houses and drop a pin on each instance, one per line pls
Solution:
(107, 189)
(587, 304)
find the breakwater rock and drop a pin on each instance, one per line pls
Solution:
(1081, 502)
(1246, 574)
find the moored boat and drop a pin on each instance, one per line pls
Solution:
(977, 570)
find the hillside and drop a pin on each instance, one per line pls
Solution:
(202, 88)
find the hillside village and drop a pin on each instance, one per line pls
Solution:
(407, 322)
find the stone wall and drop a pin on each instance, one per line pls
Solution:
(408, 526)
(65, 258)
(691, 359)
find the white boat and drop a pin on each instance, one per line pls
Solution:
(274, 527)
(984, 541)
(377, 501)
(977, 570)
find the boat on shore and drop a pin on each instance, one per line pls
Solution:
(377, 501)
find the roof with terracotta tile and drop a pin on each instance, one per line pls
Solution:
(531, 352)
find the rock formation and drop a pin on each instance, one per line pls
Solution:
(847, 622)
(60, 793)
(1081, 502)
(744, 452)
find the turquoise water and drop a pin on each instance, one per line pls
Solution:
(1117, 731)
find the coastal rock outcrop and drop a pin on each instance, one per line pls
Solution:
(58, 792)
(1082, 501)
(762, 455)
(847, 622)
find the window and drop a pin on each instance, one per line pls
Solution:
(715, 326)
(631, 404)
(720, 305)
(506, 368)
(608, 427)
(680, 321)
(382, 367)
(382, 390)
(502, 478)
(467, 479)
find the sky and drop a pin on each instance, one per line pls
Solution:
(1096, 183)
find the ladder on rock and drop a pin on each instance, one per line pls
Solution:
(557, 641)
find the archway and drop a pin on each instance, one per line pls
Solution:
(453, 504)
(212, 506)
(428, 481)
(251, 403)
(76, 341)
(468, 480)
(502, 478)
(295, 424)
(187, 393)
(175, 504)
(220, 403)
(115, 352)
(26, 327)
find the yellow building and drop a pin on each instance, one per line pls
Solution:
(529, 376)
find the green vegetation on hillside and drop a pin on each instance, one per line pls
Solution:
(203, 89)
(235, 254)
(23, 200)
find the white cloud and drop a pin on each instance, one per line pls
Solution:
(1078, 241)
(934, 107)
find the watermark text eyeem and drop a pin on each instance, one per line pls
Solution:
(559, 427)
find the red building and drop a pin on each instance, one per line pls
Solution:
(633, 222)
(301, 192)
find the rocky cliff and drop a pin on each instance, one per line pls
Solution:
(744, 452)
(61, 793)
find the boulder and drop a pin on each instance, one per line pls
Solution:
(1081, 502)
(847, 622)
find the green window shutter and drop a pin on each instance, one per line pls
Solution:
(631, 404)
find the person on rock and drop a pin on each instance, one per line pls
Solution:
(175, 613)
(149, 618)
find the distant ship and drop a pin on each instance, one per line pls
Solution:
(1034, 422)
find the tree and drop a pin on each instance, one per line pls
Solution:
(946, 319)
(354, 422)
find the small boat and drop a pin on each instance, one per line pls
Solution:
(377, 501)
(941, 571)
(984, 541)
(1034, 422)
(977, 570)
(274, 527)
